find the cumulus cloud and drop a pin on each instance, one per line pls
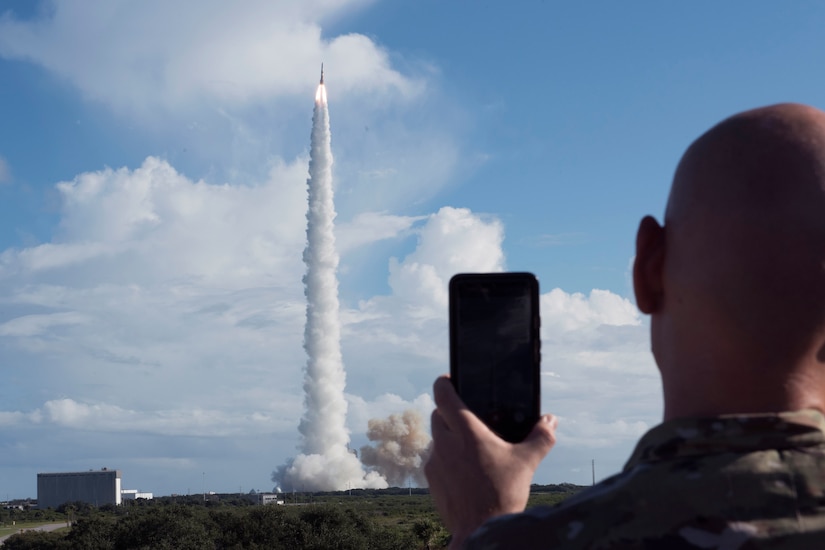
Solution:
(407, 328)
(212, 86)
(369, 227)
(563, 312)
(164, 54)
(153, 276)
(585, 430)
(164, 225)
(105, 417)
(167, 307)
(600, 379)
(453, 240)
(592, 345)
(181, 300)
(596, 345)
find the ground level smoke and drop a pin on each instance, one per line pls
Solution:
(333, 471)
(402, 446)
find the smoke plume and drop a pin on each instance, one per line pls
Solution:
(325, 462)
(401, 450)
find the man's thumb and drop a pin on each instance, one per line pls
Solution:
(541, 438)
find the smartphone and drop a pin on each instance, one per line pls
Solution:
(495, 349)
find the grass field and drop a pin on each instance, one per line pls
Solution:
(11, 529)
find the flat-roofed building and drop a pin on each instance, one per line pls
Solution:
(266, 498)
(95, 487)
(134, 494)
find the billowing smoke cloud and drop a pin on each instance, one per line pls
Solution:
(326, 462)
(403, 445)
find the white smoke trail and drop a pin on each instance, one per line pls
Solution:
(325, 462)
(402, 447)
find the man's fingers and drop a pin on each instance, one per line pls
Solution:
(540, 439)
(448, 402)
(455, 414)
(444, 392)
(437, 425)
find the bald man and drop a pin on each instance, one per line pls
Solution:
(734, 283)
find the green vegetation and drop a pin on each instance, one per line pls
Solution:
(392, 519)
(550, 495)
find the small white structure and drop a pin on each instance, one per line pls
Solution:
(266, 498)
(133, 494)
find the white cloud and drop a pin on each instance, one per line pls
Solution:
(105, 417)
(49, 256)
(155, 280)
(166, 307)
(154, 223)
(568, 312)
(109, 418)
(34, 325)
(593, 345)
(584, 430)
(581, 334)
(13, 418)
(220, 88)
(369, 227)
(399, 340)
(453, 241)
(155, 54)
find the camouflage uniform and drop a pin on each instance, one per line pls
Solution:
(732, 482)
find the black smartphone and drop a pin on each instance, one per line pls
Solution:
(495, 349)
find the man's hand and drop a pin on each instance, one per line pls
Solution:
(473, 474)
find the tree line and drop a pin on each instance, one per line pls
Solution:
(393, 519)
(185, 527)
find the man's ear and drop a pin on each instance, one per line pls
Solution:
(648, 265)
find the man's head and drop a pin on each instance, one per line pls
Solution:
(735, 280)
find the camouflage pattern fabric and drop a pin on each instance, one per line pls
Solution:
(737, 482)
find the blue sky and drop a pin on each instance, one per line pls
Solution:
(152, 194)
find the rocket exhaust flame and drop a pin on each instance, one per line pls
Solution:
(321, 94)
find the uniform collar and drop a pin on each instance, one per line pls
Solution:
(685, 437)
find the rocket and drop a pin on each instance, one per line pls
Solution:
(322, 73)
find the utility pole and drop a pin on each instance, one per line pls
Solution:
(593, 467)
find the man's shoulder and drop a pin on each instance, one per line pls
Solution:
(688, 485)
(648, 508)
(599, 509)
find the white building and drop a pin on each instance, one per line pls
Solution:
(133, 494)
(266, 498)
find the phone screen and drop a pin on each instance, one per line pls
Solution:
(495, 349)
